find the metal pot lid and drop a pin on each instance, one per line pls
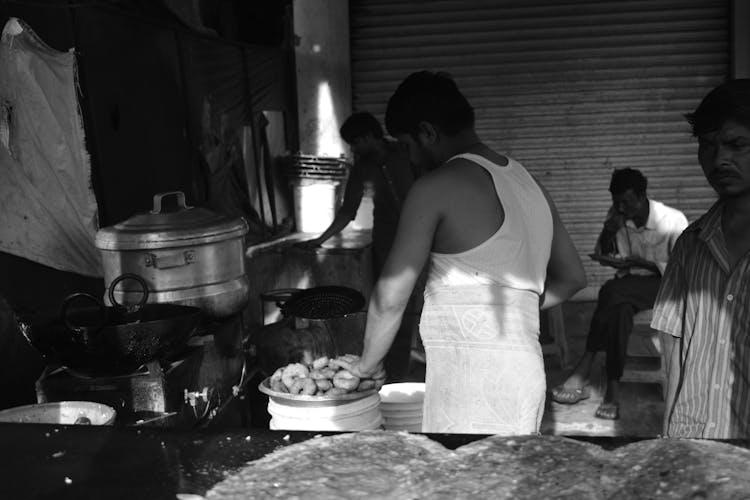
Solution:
(184, 226)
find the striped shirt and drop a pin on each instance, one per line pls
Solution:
(707, 305)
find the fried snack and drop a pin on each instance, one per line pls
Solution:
(322, 373)
(304, 386)
(319, 363)
(278, 386)
(345, 380)
(292, 372)
(323, 384)
(335, 391)
(366, 385)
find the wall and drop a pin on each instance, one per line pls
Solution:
(740, 12)
(321, 30)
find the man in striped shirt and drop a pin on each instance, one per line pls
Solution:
(703, 304)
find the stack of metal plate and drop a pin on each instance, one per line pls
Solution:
(316, 167)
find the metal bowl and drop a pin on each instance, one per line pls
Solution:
(61, 412)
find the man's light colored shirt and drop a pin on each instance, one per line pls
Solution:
(655, 240)
(707, 305)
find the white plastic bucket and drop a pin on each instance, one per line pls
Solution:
(357, 415)
(315, 204)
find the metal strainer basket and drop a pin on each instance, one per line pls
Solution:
(324, 302)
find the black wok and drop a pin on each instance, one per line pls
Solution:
(96, 340)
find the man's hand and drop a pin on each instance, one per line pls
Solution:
(634, 261)
(614, 223)
(353, 364)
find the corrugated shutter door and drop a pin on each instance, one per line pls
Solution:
(572, 90)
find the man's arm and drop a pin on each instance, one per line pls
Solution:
(670, 356)
(669, 318)
(565, 274)
(606, 243)
(410, 251)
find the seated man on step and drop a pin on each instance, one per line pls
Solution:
(637, 238)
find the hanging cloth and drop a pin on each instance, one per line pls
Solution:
(48, 211)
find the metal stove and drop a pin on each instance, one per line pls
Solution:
(190, 390)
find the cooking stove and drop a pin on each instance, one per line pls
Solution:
(188, 390)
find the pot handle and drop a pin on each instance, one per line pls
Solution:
(123, 277)
(83, 329)
(180, 201)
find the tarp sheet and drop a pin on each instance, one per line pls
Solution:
(48, 211)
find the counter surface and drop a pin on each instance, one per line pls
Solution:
(82, 462)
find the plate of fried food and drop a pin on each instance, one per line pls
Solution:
(323, 380)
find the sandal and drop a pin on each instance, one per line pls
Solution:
(608, 411)
(566, 396)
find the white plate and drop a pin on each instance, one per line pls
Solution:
(403, 392)
(404, 421)
(401, 413)
(400, 406)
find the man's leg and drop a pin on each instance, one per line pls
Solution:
(575, 387)
(628, 296)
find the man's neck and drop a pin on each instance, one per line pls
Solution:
(464, 142)
(737, 207)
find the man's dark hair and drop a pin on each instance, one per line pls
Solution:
(728, 101)
(360, 124)
(628, 178)
(427, 96)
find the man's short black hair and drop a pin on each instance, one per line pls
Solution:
(360, 124)
(628, 178)
(728, 101)
(427, 96)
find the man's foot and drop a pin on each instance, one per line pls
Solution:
(608, 410)
(570, 395)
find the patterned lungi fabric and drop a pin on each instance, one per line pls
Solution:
(485, 371)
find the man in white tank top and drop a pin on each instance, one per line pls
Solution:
(484, 373)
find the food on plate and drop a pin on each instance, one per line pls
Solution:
(323, 376)
(292, 372)
(320, 363)
(366, 385)
(323, 384)
(390, 464)
(304, 385)
(345, 380)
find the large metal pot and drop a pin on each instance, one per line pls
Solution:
(188, 256)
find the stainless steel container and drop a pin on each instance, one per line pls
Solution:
(190, 256)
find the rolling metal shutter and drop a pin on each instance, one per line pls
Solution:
(571, 89)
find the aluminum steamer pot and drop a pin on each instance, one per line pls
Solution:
(189, 256)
